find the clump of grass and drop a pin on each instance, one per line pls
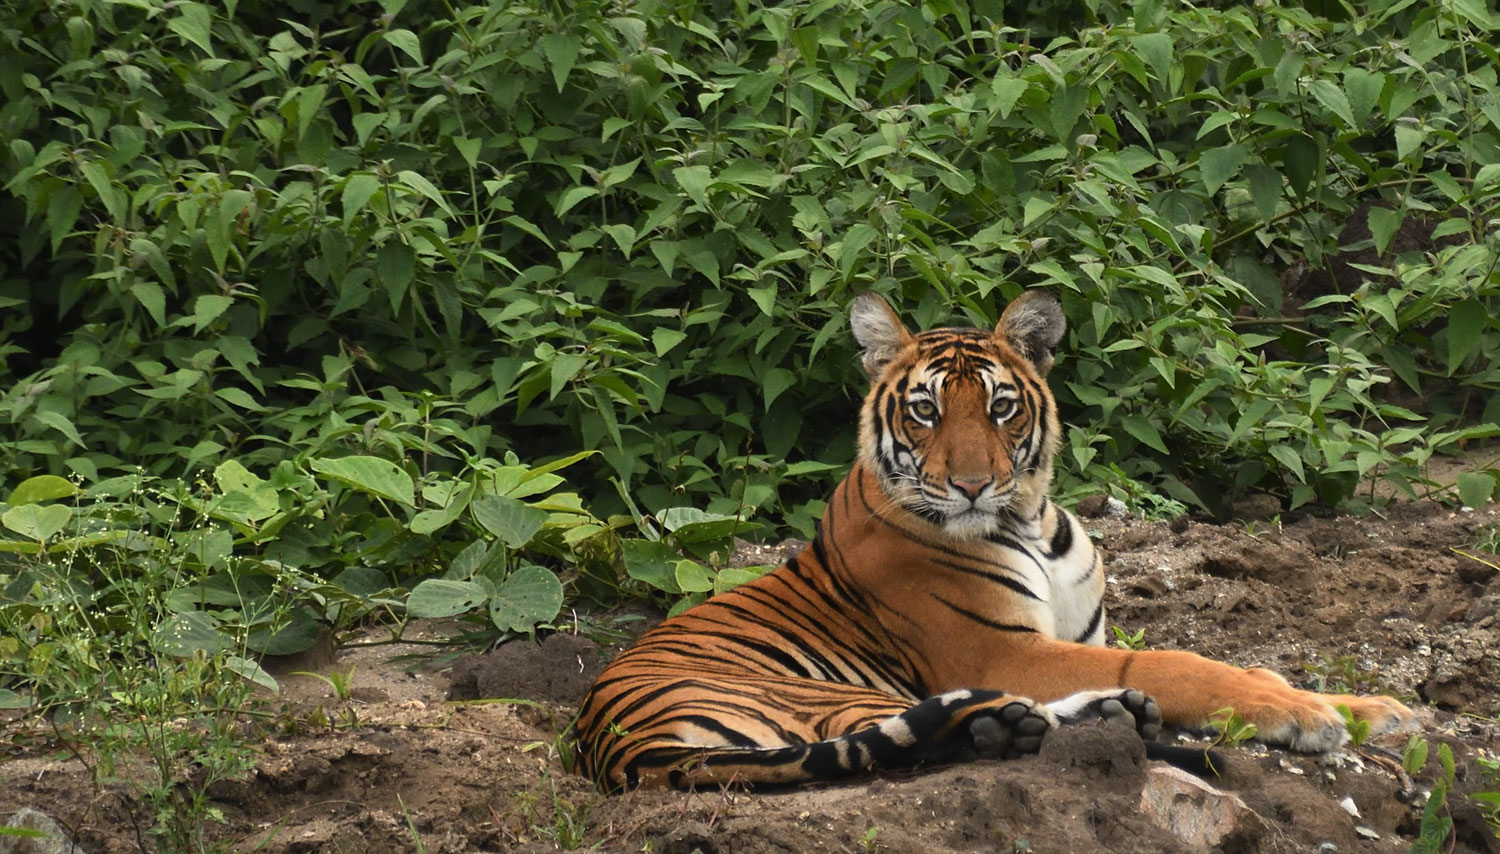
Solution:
(108, 643)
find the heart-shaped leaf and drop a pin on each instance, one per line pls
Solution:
(35, 521)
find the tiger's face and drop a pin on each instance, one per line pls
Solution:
(959, 426)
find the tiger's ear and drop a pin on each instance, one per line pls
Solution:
(878, 330)
(1032, 325)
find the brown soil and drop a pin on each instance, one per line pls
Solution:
(1381, 602)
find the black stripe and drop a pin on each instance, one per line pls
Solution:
(1062, 538)
(1093, 623)
(983, 620)
(1000, 579)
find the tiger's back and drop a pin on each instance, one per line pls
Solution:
(946, 609)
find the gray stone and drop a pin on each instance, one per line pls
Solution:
(53, 839)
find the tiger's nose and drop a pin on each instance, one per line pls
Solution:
(971, 486)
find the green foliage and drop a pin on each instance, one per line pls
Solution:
(636, 229)
(1229, 728)
(1437, 824)
(98, 635)
(1129, 640)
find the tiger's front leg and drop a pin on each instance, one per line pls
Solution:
(1190, 688)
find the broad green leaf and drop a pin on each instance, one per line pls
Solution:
(357, 192)
(1156, 50)
(301, 630)
(43, 487)
(1332, 97)
(1383, 224)
(1466, 320)
(664, 339)
(1006, 91)
(564, 367)
(1475, 488)
(691, 525)
(623, 235)
(98, 178)
(407, 42)
(855, 240)
(730, 578)
(694, 181)
(530, 595)
(512, 521)
(571, 197)
(438, 597)
(36, 522)
(776, 381)
(693, 577)
(1288, 457)
(651, 563)
(561, 50)
(374, 475)
(150, 296)
(1302, 163)
(1068, 103)
(1218, 165)
(1265, 188)
(417, 181)
(194, 23)
(59, 422)
(207, 308)
(183, 634)
(1142, 429)
(249, 669)
(239, 397)
(1363, 88)
(62, 212)
(395, 265)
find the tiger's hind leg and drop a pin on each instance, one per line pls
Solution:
(953, 727)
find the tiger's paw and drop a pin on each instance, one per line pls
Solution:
(1111, 704)
(1012, 730)
(1307, 721)
(1385, 714)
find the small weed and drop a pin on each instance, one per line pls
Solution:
(1414, 756)
(416, 838)
(1437, 822)
(340, 683)
(867, 842)
(1129, 640)
(1342, 675)
(1230, 729)
(1487, 540)
(1489, 800)
(554, 816)
(1254, 529)
(1359, 731)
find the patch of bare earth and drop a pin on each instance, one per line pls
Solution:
(1380, 601)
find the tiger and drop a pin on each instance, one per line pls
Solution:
(946, 610)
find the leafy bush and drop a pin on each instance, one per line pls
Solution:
(635, 228)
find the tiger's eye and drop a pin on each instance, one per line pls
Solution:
(1002, 408)
(923, 409)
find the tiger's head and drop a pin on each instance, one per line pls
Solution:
(959, 426)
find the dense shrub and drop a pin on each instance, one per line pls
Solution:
(634, 227)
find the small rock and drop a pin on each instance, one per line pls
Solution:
(1328, 848)
(1189, 808)
(55, 840)
(1366, 832)
(1349, 806)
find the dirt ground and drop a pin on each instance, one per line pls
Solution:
(1378, 603)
